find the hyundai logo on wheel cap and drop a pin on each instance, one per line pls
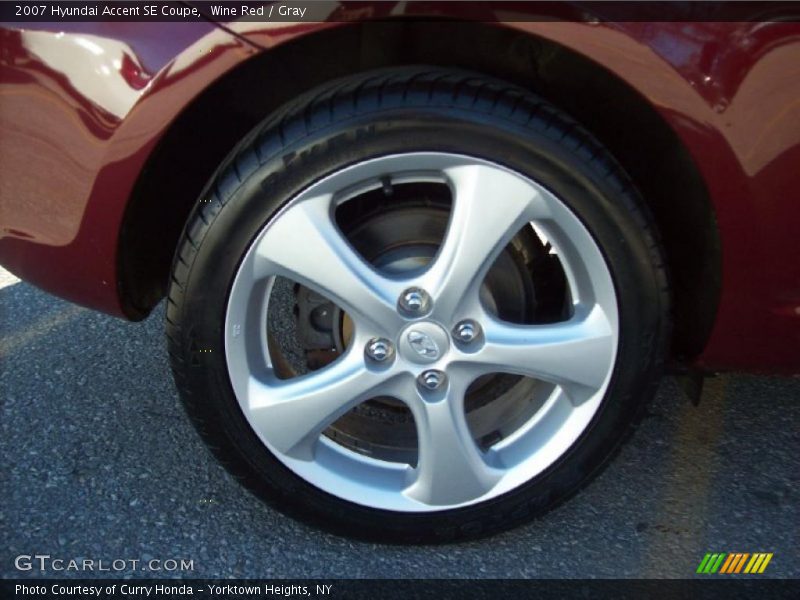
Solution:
(423, 344)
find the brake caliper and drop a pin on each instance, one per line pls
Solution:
(317, 320)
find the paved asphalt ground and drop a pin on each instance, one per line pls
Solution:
(100, 462)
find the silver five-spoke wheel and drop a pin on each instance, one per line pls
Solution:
(422, 336)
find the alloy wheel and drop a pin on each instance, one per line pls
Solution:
(422, 337)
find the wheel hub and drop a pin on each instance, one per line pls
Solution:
(424, 342)
(401, 238)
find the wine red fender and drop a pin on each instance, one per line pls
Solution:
(82, 105)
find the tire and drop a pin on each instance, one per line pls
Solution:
(256, 219)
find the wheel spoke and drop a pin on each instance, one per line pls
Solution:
(490, 206)
(292, 413)
(450, 469)
(576, 354)
(305, 245)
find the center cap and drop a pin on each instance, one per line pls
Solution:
(424, 342)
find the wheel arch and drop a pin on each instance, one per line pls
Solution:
(624, 121)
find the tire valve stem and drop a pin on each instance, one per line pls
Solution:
(386, 184)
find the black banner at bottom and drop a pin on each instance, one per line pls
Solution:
(385, 589)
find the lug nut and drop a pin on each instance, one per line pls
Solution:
(379, 349)
(414, 301)
(432, 379)
(466, 331)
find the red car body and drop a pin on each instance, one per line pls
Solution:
(90, 113)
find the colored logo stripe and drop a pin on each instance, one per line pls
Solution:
(711, 562)
(758, 563)
(727, 564)
(730, 563)
(734, 563)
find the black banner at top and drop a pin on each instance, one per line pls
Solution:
(350, 10)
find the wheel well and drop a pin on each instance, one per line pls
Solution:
(626, 123)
